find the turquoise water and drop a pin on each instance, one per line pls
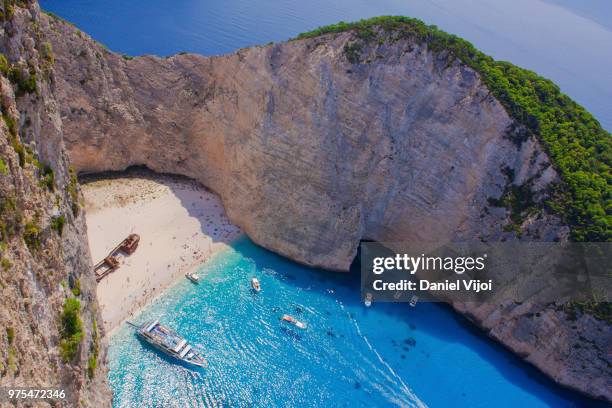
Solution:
(565, 40)
(350, 355)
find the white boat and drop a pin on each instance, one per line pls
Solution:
(292, 320)
(368, 299)
(170, 343)
(194, 277)
(414, 300)
(255, 285)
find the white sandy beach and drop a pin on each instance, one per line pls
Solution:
(180, 224)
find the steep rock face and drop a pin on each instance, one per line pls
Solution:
(313, 146)
(310, 152)
(43, 247)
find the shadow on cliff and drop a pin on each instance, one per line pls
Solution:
(204, 207)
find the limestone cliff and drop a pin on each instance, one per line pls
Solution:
(314, 147)
(310, 152)
(48, 331)
(319, 143)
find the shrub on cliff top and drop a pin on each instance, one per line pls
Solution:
(580, 149)
(71, 329)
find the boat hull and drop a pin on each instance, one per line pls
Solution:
(170, 343)
(168, 355)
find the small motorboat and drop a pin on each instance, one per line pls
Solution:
(194, 277)
(293, 321)
(368, 299)
(255, 285)
(414, 300)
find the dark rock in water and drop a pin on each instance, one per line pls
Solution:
(291, 333)
(410, 341)
(298, 310)
(331, 333)
(403, 356)
(357, 385)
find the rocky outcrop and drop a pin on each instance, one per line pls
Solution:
(44, 258)
(317, 144)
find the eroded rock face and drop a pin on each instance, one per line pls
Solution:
(312, 151)
(43, 246)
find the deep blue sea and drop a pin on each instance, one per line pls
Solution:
(387, 355)
(349, 356)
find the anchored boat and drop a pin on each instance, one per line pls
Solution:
(255, 285)
(169, 343)
(413, 300)
(293, 321)
(194, 277)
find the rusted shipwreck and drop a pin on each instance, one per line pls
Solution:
(111, 262)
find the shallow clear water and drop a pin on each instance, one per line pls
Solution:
(350, 355)
(568, 41)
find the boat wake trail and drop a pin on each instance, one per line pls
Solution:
(413, 400)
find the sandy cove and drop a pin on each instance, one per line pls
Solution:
(180, 223)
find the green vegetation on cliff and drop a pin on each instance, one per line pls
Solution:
(71, 329)
(3, 167)
(32, 235)
(580, 149)
(92, 361)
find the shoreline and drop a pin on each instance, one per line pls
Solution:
(181, 226)
(138, 308)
